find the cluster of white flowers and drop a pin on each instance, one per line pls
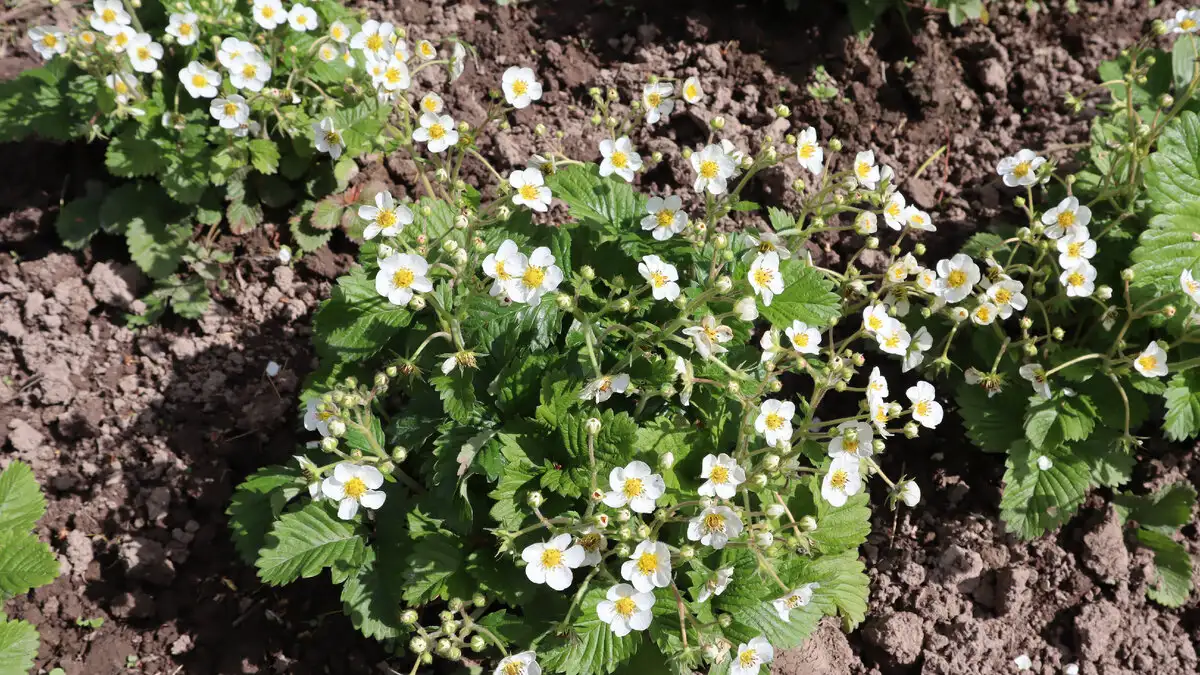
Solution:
(519, 277)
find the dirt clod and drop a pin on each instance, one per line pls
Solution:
(900, 635)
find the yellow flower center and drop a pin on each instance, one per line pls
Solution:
(591, 541)
(921, 408)
(850, 446)
(88, 37)
(431, 104)
(892, 341)
(713, 522)
(654, 99)
(520, 87)
(807, 150)
(647, 563)
(198, 80)
(185, 29)
(708, 169)
(1076, 279)
(403, 278)
(665, 218)
(230, 109)
(437, 131)
(121, 39)
(1187, 24)
(120, 87)
(691, 91)
(514, 668)
(711, 333)
(774, 422)
(302, 19)
(333, 138)
(426, 49)
(633, 487)
(862, 169)
(719, 474)
(957, 278)
(392, 75)
(528, 192)
(800, 340)
(874, 322)
(763, 276)
(375, 42)
(748, 658)
(108, 16)
(355, 488)
(385, 218)
(1074, 248)
(918, 219)
(619, 159)
(533, 276)
(268, 11)
(1193, 286)
(551, 558)
(792, 602)
(983, 313)
(1003, 296)
(839, 479)
(501, 274)
(1021, 170)
(1147, 362)
(893, 209)
(337, 33)
(625, 607)
(1066, 218)
(658, 279)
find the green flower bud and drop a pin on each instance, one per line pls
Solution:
(329, 444)
(878, 445)
(759, 481)
(1019, 201)
(623, 305)
(1030, 349)
(1127, 274)
(478, 644)
(771, 462)
(1026, 323)
(835, 144)
(687, 552)
(535, 499)
(1166, 101)
(337, 428)
(656, 157)
(724, 284)
(808, 524)
(623, 550)
(775, 387)
(1058, 333)
(872, 242)
(592, 425)
(725, 620)
(443, 646)
(717, 123)
(720, 241)
(1104, 292)
(734, 387)
(783, 111)
(911, 430)
(686, 153)
(454, 653)
(417, 303)
(418, 645)
(596, 120)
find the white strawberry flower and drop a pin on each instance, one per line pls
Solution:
(1075, 247)
(315, 419)
(770, 345)
(918, 219)
(144, 54)
(714, 527)
(709, 336)
(1020, 169)
(957, 277)
(774, 421)
(765, 278)
(662, 277)
(338, 32)
(200, 80)
(124, 85)
(619, 157)
(656, 97)
(648, 567)
(715, 585)
(1066, 218)
(895, 212)
(1190, 286)
(348, 58)
(751, 656)
(1080, 280)
(893, 338)
(354, 485)
(683, 371)
(799, 597)
(520, 87)
(842, 481)
(721, 475)
(875, 318)
(691, 92)
(328, 138)
(269, 13)
(399, 49)
(927, 281)
(591, 539)
(231, 48)
(551, 562)
(625, 609)
(309, 469)
(636, 486)
(431, 103)
(426, 50)
(925, 408)
(984, 313)
(108, 16)
(865, 170)
(385, 217)
(805, 339)
(866, 223)
(184, 27)
(714, 167)
(921, 341)
(1185, 21)
(250, 71)
(231, 112)
(880, 415)
(877, 384)
(909, 493)
(1007, 295)
(809, 152)
(302, 18)
(394, 76)
(758, 243)
(540, 277)
(853, 438)
(530, 189)
(602, 388)
(746, 308)
(328, 53)
(666, 217)
(524, 663)
(505, 265)
(1152, 362)
(458, 61)
(48, 41)
(1036, 375)
(374, 38)
(437, 132)
(120, 42)
(400, 276)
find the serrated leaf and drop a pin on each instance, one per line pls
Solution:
(840, 528)
(980, 243)
(371, 597)
(264, 155)
(457, 391)
(780, 219)
(304, 542)
(1036, 500)
(1167, 247)
(157, 247)
(591, 648)
(356, 322)
(78, 221)
(129, 157)
(989, 421)
(1182, 398)
(243, 216)
(255, 505)
(610, 203)
(806, 296)
(327, 214)
(1050, 422)
(435, 559)
(1183, 60)
(1172, 566)
(25, 562)
(18, 647)
(748, 600)
(509, 508)
(509, 628)
(1164, 511)
(21, 500)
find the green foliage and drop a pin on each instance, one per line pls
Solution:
(25, 562)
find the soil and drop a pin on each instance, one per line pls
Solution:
(139, 437)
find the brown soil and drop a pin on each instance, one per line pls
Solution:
(140, 437)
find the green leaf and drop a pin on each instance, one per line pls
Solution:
(511, 629)
(1058, 419)
(748, 600)
(610, 203)
(25, 563)
(307, 237)
(807, 295)
(356, 322)
(435, 559)
(1166, 248)
(780, 219)
(1183, 60)
(1037, 500)
(304, 542)
(243, 216)
(129, 157)
(989, 420)
(457, 391)
(981, 243)
(255, 505)
(18, 647)
(77, 221)
(157, 247)
(840, 528)
(591, 648)
(509, 509)
(844, 586)
(21, 501)
(371, 596)
(327, 214)
(264, 155)
(1182, 398)
(1164, 511)
(1173, 566)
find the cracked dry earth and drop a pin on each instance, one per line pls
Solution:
(140, 436)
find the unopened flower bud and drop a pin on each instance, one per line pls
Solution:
(417, 303)
(408, 617)
(959, 314)
(587, 272)
(478, 644)
(1127, 274)
(460, 257)
(450, 627)
(449, 246)
(776, 510)
(720, 241)
(563, 301)
(759, 480)
(596, 119)
(623, 516)
(919, 249)
(1030, 349)
(1026, 323)
(734, 387)
(329, 444)
(687, 552)
(724, 284)
(775, 387)
(443, 646)
(623, 305)
(725, 620)
(656, 157)
(504, 213)
(1166, 101)
(764, 539)
(1168, 311)
(1104, 292)
(717, 123)
(1058, 333)
(418, 645)
(807, 524)
(771, 462)
(535, 499)
(872, 242)
(877, 445)
(337, 428)
(643, 531)
(911, 430)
